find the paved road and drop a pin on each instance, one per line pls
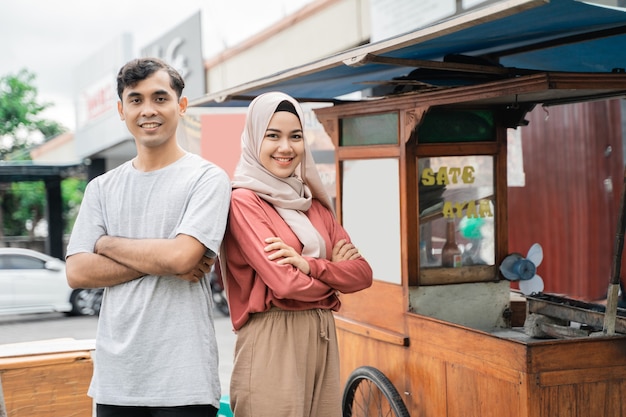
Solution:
(38, 327)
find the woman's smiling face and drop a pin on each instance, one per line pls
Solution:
(282, 148)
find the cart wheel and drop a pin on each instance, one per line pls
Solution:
(369, 393)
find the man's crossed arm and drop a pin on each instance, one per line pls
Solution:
(117, 260)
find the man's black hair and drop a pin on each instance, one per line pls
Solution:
(141, 68)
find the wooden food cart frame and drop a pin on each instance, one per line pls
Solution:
(447, 342)
(398, 361)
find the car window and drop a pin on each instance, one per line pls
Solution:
(20, 262)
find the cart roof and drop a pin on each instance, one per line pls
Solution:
(521, 36)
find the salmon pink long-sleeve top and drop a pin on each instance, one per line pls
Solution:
(255, 283)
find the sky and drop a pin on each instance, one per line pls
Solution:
(52, 38)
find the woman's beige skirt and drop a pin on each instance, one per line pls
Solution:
(287, 365)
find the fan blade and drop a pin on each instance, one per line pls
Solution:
(531, 286)
(535, 254)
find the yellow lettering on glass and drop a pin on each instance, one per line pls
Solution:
(445, 175)
(456, 175)
(473, 210)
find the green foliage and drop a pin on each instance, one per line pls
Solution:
(29, 205)
(26, 201)
(49, 128)
(19, 113)
(18, 102)
(23, 203)
(72, 191)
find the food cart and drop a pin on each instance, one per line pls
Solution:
(421, 170)
(436, 340)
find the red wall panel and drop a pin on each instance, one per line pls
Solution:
(571, 153)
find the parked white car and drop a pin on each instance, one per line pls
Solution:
(33, 282)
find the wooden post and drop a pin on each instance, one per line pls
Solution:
(610, 312)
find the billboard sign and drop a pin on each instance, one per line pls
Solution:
(181, 47)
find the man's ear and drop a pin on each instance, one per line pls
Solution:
(120, 110)
(182, 105)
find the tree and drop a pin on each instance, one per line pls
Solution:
(72, 191)
(28, 207)
(20, 127)
(19, 114)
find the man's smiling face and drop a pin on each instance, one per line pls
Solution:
(151, 110)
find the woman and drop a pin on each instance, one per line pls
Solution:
(284, 258)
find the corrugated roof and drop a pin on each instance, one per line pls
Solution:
(16, 171)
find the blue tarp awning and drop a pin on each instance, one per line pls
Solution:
(537, 35)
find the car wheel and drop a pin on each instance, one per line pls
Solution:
(86, 302)
(219, 299)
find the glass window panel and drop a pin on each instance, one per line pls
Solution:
(371, 213)
(445, 126)
(22, 262)
(380, 129)
(459, 190)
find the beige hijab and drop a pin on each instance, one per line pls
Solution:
(290, 196)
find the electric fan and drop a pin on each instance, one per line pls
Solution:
(517, 268)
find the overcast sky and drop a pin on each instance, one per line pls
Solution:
(51, 38)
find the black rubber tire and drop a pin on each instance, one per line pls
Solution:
(86, 302)
(369, 393)
(221, 303)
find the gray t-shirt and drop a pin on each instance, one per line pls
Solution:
(155, 343)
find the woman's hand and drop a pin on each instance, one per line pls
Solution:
(285, 254)
(345, 251)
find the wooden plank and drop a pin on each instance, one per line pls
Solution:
(560, 401)
(409, 205)
(370, 331)
(382, 305)
(58, 389)
(367, 152)
(582, 376)
(615, 398)
(462, 392)
(591, 399)
(526, 393)
(480, 365)
(426, 382)
(482, 350)
(32, 361)
(565, 402)
(597, 399)
(584, 353)
(421, 63)
(46, 347)
(391, 359)
(471, 393)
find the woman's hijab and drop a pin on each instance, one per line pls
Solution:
(290, 196)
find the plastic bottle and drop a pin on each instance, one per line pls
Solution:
(451, 253)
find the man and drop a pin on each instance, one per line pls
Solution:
(148, 231)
